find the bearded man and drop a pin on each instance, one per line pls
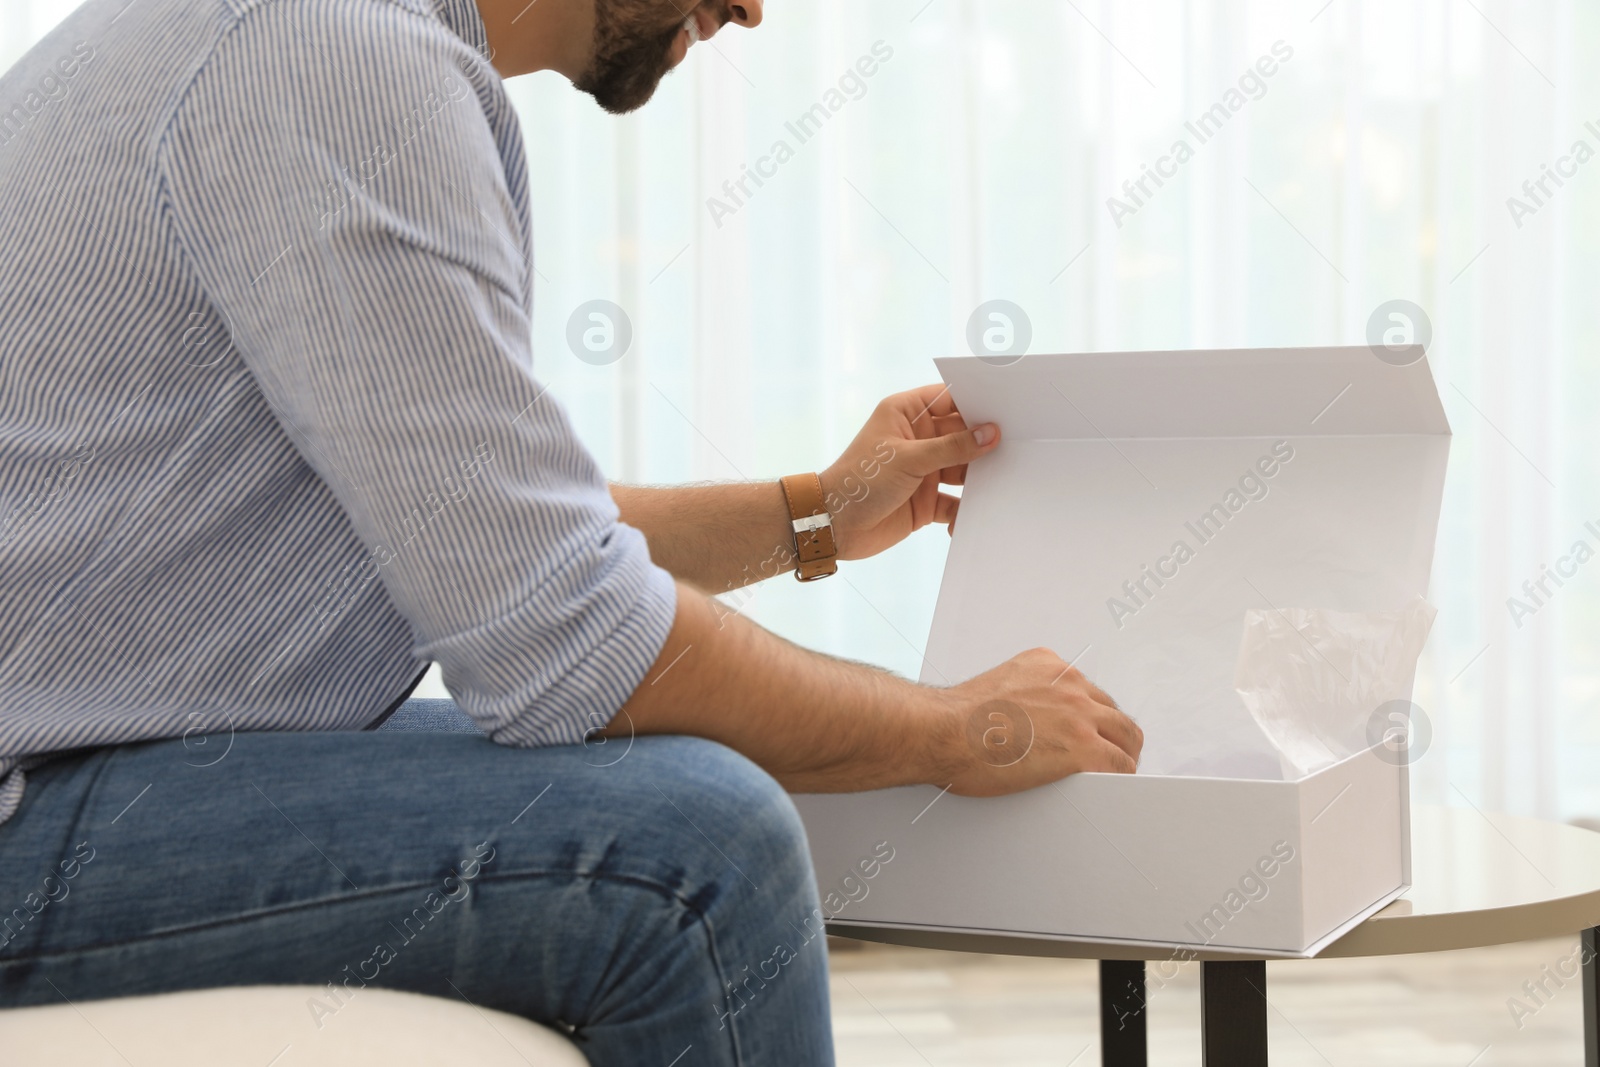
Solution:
(271, 443)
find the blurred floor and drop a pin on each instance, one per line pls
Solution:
(895, 1006)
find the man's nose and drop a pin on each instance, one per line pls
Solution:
(746, 13)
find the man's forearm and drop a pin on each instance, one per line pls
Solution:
(825, 725)
(715, 537)
(815, 723)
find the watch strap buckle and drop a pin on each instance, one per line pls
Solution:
(815, 548)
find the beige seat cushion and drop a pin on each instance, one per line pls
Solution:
(254, 1026)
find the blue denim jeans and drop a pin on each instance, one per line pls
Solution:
(651, 898)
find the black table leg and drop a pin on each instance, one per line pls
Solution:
(1122, 1030)
(1591, 999)
(1233, 1014)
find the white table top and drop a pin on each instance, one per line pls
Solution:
(1478, 878)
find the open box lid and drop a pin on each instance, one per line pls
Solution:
(1141, 502)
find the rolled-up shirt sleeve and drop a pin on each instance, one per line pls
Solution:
(339, 178)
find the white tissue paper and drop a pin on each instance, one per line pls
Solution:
(1314, 679)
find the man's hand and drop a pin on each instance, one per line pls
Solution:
(724, 537)
(886, 484)
(1032, 720)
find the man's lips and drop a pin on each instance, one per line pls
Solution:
(705, 22)
(700, 25)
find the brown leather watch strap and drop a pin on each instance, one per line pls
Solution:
(813, 527)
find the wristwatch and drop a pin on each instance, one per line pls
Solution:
(813, 527)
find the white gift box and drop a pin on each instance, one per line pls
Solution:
(1139, 506)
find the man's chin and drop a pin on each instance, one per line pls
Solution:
(626, 81)
(622, 99)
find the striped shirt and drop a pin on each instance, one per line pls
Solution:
(270, 440)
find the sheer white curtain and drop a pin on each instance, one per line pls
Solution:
(975, 161)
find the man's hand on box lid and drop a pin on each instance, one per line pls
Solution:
(886, 484)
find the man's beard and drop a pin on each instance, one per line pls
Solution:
(633, 51)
